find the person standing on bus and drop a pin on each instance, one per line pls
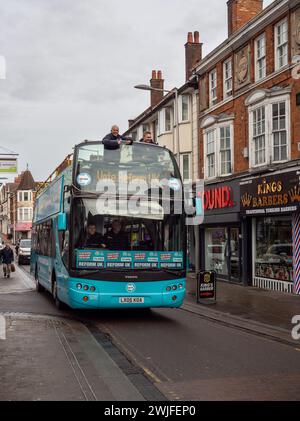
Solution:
(7, 259)
(115, 238)
(147, 138)
(113, 139)
(94, 238)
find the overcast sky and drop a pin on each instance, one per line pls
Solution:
(72, 65)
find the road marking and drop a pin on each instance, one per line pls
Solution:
(297, 349)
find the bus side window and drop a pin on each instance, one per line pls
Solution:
(63, 237)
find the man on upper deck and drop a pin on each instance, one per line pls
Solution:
(113, 139)
(147, 138)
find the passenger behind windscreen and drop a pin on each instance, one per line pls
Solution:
(94, 238)
(116, 238)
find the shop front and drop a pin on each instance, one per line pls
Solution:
(270, 206)
(220, 233)
(23, 230)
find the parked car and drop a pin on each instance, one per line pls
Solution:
(279, 253)
(24, 252)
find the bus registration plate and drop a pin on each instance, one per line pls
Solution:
(131, 300)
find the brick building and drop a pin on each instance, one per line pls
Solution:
(16, 207)
(249, 154)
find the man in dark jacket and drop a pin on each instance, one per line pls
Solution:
(116, 239)
(94, 238)
(147, 138)
(113, 139)
(7, 258)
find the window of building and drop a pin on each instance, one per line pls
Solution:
(219, 150)
(279, 132)
(213, 87)
(281, 44)
(165, 120)
(227, 71)
(24, 214)
(211, 154)
(260, 57)
(184, 108)
(225, 150)
(185, 165)
(146, 128)
(269, 132)
(259, 136)
(24, 196)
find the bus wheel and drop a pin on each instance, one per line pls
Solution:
(38, 286)
(58, 303)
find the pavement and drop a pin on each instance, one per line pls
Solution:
(47, 357)
(261, 311)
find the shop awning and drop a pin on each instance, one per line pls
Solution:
(23, 226)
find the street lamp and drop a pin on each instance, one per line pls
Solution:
(175, 91)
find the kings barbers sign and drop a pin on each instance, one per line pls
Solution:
(278, 193)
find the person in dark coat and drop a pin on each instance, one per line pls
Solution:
(7, 259)
(113, 139)
(93, 238)
(115, 238)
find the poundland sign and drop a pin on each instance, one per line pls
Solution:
(279, 193)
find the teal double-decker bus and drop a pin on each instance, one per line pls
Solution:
(109, 229)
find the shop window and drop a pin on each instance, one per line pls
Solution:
(216, 250)
(273, 248)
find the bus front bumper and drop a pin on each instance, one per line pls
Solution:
(115, 294)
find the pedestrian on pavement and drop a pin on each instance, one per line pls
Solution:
(147, 138)
(113, 139)
(7, 255)
(17, 247)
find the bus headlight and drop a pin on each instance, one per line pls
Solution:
(86, 287)
(93, 289)
(78, 286)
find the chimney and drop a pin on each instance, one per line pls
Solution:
(193, 53)
(158, 83)
(241, 12)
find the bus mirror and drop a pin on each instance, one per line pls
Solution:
(62, 222)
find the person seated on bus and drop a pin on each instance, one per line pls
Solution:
(116, 238)
(113, 139)
(93, 238)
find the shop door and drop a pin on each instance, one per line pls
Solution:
(234, 257)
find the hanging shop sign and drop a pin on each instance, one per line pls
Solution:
(273, 194)
(8, 165)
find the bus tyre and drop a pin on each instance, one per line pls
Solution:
(38, 286)
(58, 303)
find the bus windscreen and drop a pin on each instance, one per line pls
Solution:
(137, 162)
